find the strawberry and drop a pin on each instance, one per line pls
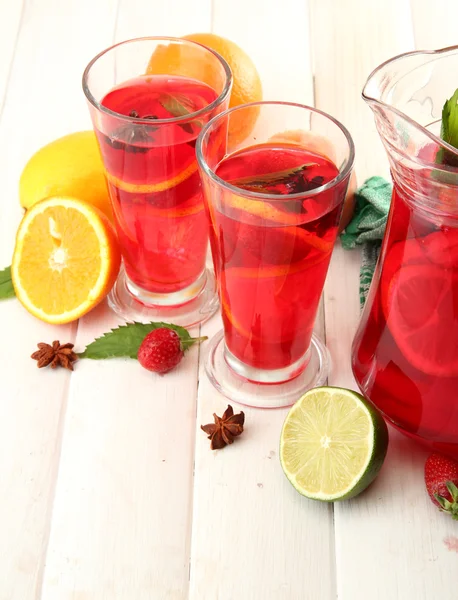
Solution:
(163, 348)
(441, 479)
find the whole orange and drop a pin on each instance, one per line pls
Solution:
(246, 86)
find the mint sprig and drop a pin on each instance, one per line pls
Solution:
(449, 131)
(125, 340)
(179, 106)
(262, 183)
(6, 284)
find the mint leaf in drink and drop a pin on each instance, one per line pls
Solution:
(125, 340)
(6, 284)
(266, 181)
(449, 131)
(179, 106)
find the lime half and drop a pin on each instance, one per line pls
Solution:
(333, 444)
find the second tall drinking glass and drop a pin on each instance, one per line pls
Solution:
(149, 98)
(274, 201)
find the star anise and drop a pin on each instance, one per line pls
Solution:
(225, 428)
(55, 355)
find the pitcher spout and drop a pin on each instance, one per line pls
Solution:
(407, 95)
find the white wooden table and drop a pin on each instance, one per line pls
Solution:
(108, 488)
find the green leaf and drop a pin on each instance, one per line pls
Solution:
(449, 131)
(125, 340)
(179, 106)
(262, 183)
(453, 490)
(6, 284)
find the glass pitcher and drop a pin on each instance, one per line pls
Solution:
(405, 353)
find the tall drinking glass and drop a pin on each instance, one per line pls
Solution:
(149, 99)
(274, 203)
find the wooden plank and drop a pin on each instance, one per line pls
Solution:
(122, 516)
(253, 535)
(276, 38)
(122, 513)
(434, 27)
(390, 541)
(42, 95)
(9, 27)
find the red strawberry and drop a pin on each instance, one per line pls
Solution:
(163, 348)
(441, 479)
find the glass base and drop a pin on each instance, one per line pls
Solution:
(189, 307)
(274, 391)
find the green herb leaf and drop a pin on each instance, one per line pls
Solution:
(262, 183)
(449, 131)
(6, 284)
(125, 340)
(179, 106)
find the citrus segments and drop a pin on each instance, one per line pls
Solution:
(66, 259)
(174, 213)
(272, 271)
(333, 444)
(441, 247)
(263, 210)
(420, 304)
(149, 188)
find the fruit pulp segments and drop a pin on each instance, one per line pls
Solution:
(154, 183)
(271, 258)
(405, 356)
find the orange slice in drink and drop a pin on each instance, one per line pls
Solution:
(149, 188)
(268, 271)
(420, 305)
(66, 259)
(263, 210)
(185, 209)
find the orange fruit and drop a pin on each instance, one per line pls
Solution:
(66, 259)
(246, 86)
(321, 145)
(149, 188)
(68, 166)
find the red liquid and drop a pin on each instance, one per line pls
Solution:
(405, 355)
(154, 184)
(271, 258)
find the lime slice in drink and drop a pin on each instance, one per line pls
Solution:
(333, 444)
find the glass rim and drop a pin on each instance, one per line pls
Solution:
(191, 116)
(345, 172)
(370, 100)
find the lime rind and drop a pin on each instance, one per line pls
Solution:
(342, 465)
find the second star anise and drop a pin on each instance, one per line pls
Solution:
(223, 431)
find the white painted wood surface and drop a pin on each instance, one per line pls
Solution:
(108, 489)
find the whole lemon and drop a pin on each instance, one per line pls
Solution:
(68, 166)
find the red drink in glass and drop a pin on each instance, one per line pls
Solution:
(405, 355)
(149, 98)
(274, 201)
(154, 183)
(272, 259)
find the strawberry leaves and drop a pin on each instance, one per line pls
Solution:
(450, 507)
(125, 340)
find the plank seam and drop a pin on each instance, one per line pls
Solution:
(193, 480)
(13, 58)
(53, 491)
